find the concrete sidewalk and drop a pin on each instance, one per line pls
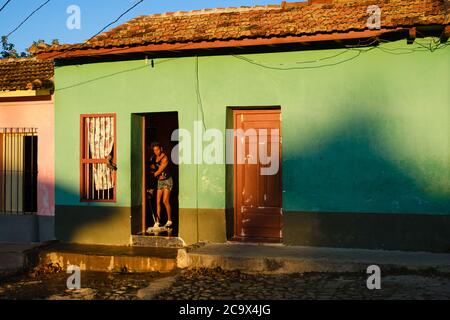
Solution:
(288, 259)
(270, 259)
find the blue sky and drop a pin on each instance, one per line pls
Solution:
(50, 22)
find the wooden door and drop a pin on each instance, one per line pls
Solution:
(138, 225)
(257, 195)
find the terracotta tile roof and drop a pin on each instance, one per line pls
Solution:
(286, 19)
(25, 74)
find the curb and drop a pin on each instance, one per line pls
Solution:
(272, 261)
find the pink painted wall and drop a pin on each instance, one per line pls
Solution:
(37, 114)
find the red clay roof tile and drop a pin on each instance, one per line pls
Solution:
(287, 19)
(25, 73)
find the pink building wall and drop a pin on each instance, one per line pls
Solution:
(40, 115)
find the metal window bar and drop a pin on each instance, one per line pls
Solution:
(18, 170)
(94, 188)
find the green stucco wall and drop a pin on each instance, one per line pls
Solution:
(370, 134)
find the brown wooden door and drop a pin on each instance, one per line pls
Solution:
(257, 196)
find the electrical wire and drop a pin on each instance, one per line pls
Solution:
(358, 49)
(365, 42)
(369, 42)
(124, 13)
(199, 103)
(358, 53)
(103, 29)
(436, 42)
(6, 3)
(111, 75)
(323, 59)
(199, 106)
(198, 92)
(28, 17)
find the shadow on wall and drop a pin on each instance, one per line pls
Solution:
(91, 223)
(346, 192)
(349, 172)
(16, 227)
(344, 173)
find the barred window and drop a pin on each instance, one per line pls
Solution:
(18, 170)
(98, 157)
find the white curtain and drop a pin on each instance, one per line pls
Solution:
(101, 143)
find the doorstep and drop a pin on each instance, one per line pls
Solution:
(157, 242)
(127, 259)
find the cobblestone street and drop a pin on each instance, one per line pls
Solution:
(205, 285)
(233, 285)
(94, 286)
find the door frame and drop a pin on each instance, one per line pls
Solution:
(141, 204)
(143, 173)
(236, 237)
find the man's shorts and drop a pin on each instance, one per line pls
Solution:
(165, 184)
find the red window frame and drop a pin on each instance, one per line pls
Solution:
(84, 158)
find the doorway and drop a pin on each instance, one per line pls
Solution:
(257, 190)
(148, 129)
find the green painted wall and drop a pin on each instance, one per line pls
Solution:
(367, 135)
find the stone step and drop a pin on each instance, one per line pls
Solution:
(158, 242)
(108, 258)
(284, 259)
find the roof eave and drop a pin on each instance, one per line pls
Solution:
(337, 36)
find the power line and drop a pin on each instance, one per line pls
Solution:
(29, 16)
(128, 10)
(6, 3)
(197, 89)
(103, 29)
(110, 75)
(322, 59)
(421, 48)
(368, 42)
(302, 68)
